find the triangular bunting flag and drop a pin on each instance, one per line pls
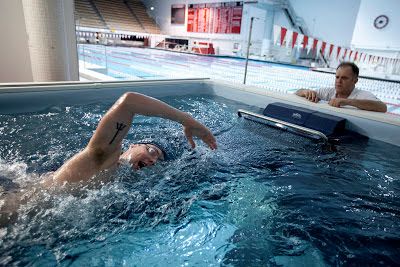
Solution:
(323, 48)
(330, 50)
(314, 46)
(344, 55)
(338, 51)
(283, 34)
(294, 38)
(305, 41)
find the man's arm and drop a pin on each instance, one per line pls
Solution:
(104, 147)
(115, 125)
(371, 105)
(308, 94)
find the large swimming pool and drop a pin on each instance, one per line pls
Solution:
(265, 197)
(129, 63)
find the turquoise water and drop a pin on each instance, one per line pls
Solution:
(265, 197)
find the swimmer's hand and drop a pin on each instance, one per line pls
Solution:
(191, 128)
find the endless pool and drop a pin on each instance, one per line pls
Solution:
(265, 197)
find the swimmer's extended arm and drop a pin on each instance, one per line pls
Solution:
(104, 147)
(116, 123)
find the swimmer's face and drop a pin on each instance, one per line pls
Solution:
(142, 155)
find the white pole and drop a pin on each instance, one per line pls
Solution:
(248, 50)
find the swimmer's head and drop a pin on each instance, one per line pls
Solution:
(144, 153)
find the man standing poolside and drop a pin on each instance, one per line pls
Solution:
(345, 93)
(104, 150)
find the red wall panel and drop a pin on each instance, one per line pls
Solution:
(215, 17)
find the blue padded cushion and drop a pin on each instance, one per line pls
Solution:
(288, 113)
(325, 123)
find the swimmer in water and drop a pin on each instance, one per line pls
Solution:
(104, 150)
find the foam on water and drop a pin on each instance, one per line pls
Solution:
(264, 197)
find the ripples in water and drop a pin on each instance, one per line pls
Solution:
(265, 197)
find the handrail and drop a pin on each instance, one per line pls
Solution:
(283, 124)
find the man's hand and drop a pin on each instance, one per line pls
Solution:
(364, 104)
(311, 96)
(195, 128)
(338, 102)
(308, 94)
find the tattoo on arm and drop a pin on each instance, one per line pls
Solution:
(120, 127)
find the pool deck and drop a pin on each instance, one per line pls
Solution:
(124, 63)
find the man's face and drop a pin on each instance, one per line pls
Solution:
(142, 155)
(345, 81)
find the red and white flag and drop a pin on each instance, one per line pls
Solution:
(294, 38)
(323, 45)
(305, 41)
(330, 50)
(338, 52)
(345, 52)
(314, 46)
(283, 34)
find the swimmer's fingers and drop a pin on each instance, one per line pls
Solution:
(189, 137)
(209, 139)
(197, 129)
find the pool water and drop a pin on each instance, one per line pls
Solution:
(265, 197)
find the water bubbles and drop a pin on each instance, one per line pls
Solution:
(263, 192)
